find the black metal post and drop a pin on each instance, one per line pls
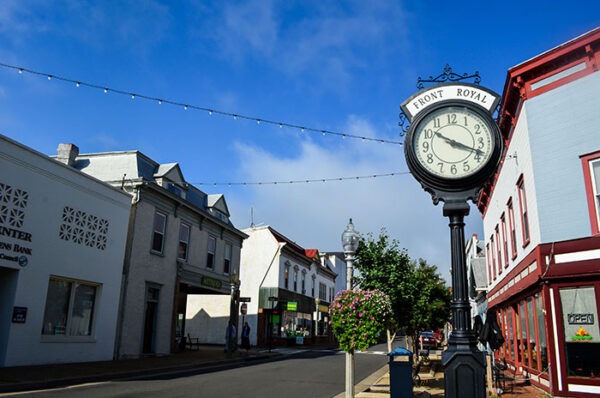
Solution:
(464, 363)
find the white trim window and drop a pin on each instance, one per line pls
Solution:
(158, 233)
(184, 241)
(595, 174)
(210, 252)
(227, 258)
(70, 307)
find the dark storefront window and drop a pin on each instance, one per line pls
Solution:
(541, 323)
(580, 323)
(533, 358)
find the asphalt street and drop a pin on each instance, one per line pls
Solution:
(296, 374)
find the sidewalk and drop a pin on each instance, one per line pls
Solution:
(22, 378)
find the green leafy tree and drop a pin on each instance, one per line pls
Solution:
(420, 299)
(358, 317)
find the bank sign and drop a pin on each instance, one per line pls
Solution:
(15, 242)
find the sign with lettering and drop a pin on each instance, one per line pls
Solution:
(15, 243)
(210, 282)
(463, 91)
(19, 314)
(292, 306)
(580, 319)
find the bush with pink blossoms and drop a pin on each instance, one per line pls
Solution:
(358, 317)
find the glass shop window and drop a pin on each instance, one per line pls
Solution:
(582, 334)
(69, 308)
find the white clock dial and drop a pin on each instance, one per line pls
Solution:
(453, 142)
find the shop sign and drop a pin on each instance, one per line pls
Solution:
(580, 319)
(292, 306)
(19, 314)
(210, 282)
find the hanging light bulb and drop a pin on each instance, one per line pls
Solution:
(132, 96)
(234, 117)
(280, 125)
(210, 112)
(49, 77)
(185, 107)
(159, 102)
(77, 84)
(105, 90)
(257, 121)
(20, 71)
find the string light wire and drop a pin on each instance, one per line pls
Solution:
(185, 106)
(307, 181)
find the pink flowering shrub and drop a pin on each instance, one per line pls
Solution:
(358, 317)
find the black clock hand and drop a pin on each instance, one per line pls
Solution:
(456, 144)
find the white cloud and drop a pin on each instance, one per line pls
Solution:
(315, 214)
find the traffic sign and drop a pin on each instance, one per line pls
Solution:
(245, 299)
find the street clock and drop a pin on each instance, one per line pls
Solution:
(453, 145)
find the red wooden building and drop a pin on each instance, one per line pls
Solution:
(541, 220)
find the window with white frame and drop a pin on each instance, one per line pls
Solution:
(591, 174)
(312, 289)
(512, 229)
(158, 234)
(227, 258)
(493, 257)
(524, 211)
(504, 240)
(595, 173)
(303, 281)
(498, 252)
(184, 241)
(210, 252)
(70, 307)
(295, 279)
(286, 276)
(322, 291)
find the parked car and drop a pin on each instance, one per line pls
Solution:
(428, 340)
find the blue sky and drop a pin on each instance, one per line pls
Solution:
(342, 66)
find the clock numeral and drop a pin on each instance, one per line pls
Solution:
(436, 122)
(441, 165)
(466, 122)
(480, 142)
(428, 134)
(430, 158)
(453, 169)
(452, 118)
(425, 146)
(466, 167)
(477, 157)
(477, 129)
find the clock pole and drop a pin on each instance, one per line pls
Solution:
(445, 119)
(464, 363)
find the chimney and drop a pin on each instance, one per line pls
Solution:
(67, 153)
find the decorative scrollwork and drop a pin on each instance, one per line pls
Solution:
(403, 123)
(448, 76)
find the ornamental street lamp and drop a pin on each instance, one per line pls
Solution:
(350, 240)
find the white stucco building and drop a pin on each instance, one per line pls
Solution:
(180, 244)
(62, 244)
(299, 285)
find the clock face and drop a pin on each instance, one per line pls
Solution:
(453, 142)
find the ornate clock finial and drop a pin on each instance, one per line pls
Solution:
(446, 76)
